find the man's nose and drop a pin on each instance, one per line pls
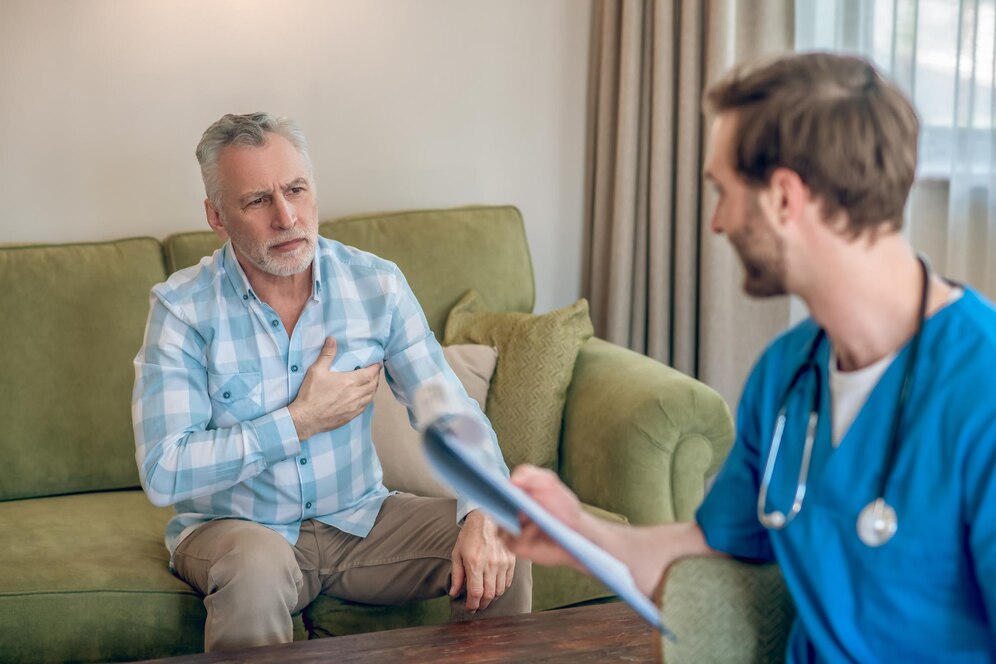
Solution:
(284, 215)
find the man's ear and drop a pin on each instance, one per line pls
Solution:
(785, 196)
(214, 219)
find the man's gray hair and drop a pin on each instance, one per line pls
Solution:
(247, 130)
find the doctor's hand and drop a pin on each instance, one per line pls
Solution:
(544, 487)
(481, 562)
(329, 399)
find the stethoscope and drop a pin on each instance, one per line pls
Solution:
(877, 522)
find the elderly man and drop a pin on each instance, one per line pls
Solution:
(866, 435)
(252, 413)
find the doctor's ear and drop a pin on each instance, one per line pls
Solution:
(787, 196)
(214, 219)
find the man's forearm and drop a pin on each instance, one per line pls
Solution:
(647, 550)
(187, 465)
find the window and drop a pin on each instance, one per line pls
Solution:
(940, 52)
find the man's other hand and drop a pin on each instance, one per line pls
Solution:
(329, 399)
(481, 562)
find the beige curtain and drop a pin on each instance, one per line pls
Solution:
(658, 282)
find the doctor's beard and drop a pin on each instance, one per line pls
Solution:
(761, 252)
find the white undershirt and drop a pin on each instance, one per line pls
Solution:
(849, 390)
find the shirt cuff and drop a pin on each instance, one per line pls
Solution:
(277, 436)
(464, 507)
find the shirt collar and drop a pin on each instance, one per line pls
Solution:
(240, 282)
(316, 269)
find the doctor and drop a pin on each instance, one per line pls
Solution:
(865, 459)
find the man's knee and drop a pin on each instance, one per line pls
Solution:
(268, 569)
(248, 558)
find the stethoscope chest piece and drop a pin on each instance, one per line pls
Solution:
(877, 523)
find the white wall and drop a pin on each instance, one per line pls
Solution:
(406, 103)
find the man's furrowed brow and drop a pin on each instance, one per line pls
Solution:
(253, 195)
(296, 182)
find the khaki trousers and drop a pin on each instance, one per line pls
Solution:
(253, 580)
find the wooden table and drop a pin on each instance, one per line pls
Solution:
(598, 633)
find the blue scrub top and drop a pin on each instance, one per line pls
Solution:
(927, 594)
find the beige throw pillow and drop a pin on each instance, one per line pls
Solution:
(399, 446)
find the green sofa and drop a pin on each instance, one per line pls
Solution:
(725, 611)
(83, 567)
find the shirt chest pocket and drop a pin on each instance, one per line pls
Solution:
(235, 397)
(359, 357)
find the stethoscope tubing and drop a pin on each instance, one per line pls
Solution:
(904, 391)
(777, 519)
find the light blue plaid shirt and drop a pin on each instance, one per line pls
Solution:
(217, 370)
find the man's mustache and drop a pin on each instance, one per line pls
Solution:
(289, 238)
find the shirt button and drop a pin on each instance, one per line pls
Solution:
(274, 323)
(304, 462)
(245, 297)
(294, 367)
(307, 505)
(227, 395)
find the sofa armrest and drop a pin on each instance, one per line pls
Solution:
(723, 610)
(640, 437)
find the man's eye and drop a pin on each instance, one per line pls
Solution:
(256, 202)
(296, 190)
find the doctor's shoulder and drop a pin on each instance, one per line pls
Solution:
(977, 320)
(785, 353)
(962, 349)
(959, 378)
(773, 370)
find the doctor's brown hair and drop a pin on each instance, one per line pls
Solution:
(849, 134)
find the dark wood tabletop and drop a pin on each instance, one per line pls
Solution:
(597, 633)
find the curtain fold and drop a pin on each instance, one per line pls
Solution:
(657, 281)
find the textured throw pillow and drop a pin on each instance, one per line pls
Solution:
(536, 361)
(398, 445)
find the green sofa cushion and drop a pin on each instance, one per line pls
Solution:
(96, 566)
(442, 253)
(75, 318)
(186, 249)
(536, 357)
